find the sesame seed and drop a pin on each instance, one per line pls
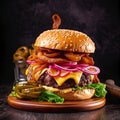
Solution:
(63, 41)
(71, 45)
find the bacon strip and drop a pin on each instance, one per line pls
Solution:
(56, 21)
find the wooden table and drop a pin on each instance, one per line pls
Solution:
(111, 111)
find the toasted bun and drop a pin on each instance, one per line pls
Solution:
(69, 94)
(77, 95)
(66, 40)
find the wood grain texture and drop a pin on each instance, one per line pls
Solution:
(68, 106)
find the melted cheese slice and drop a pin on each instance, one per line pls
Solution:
(73, 75)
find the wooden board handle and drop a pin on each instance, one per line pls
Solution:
(112, 88)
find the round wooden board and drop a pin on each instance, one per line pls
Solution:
(68, 106)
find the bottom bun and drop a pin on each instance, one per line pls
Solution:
(77, 94)
(69, 94)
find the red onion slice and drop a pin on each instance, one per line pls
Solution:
(69, 64)
(91, 70)
(30, 61)
(65, 68)
(61, 70)
(53, 72)
(64, 73)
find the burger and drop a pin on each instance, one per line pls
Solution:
(61, 68)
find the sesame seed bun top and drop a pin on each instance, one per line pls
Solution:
(66, 40)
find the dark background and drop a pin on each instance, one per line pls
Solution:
(21, 21)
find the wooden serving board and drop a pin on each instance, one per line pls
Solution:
(67, 106)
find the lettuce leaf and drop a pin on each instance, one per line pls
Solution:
(13, 93)
(50, 97)
(100, 90)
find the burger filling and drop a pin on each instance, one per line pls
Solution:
(61, 69)
(46, 79)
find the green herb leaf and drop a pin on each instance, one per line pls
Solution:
(50, 97)
(13, 94)
(78, 88)
(100, 90)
